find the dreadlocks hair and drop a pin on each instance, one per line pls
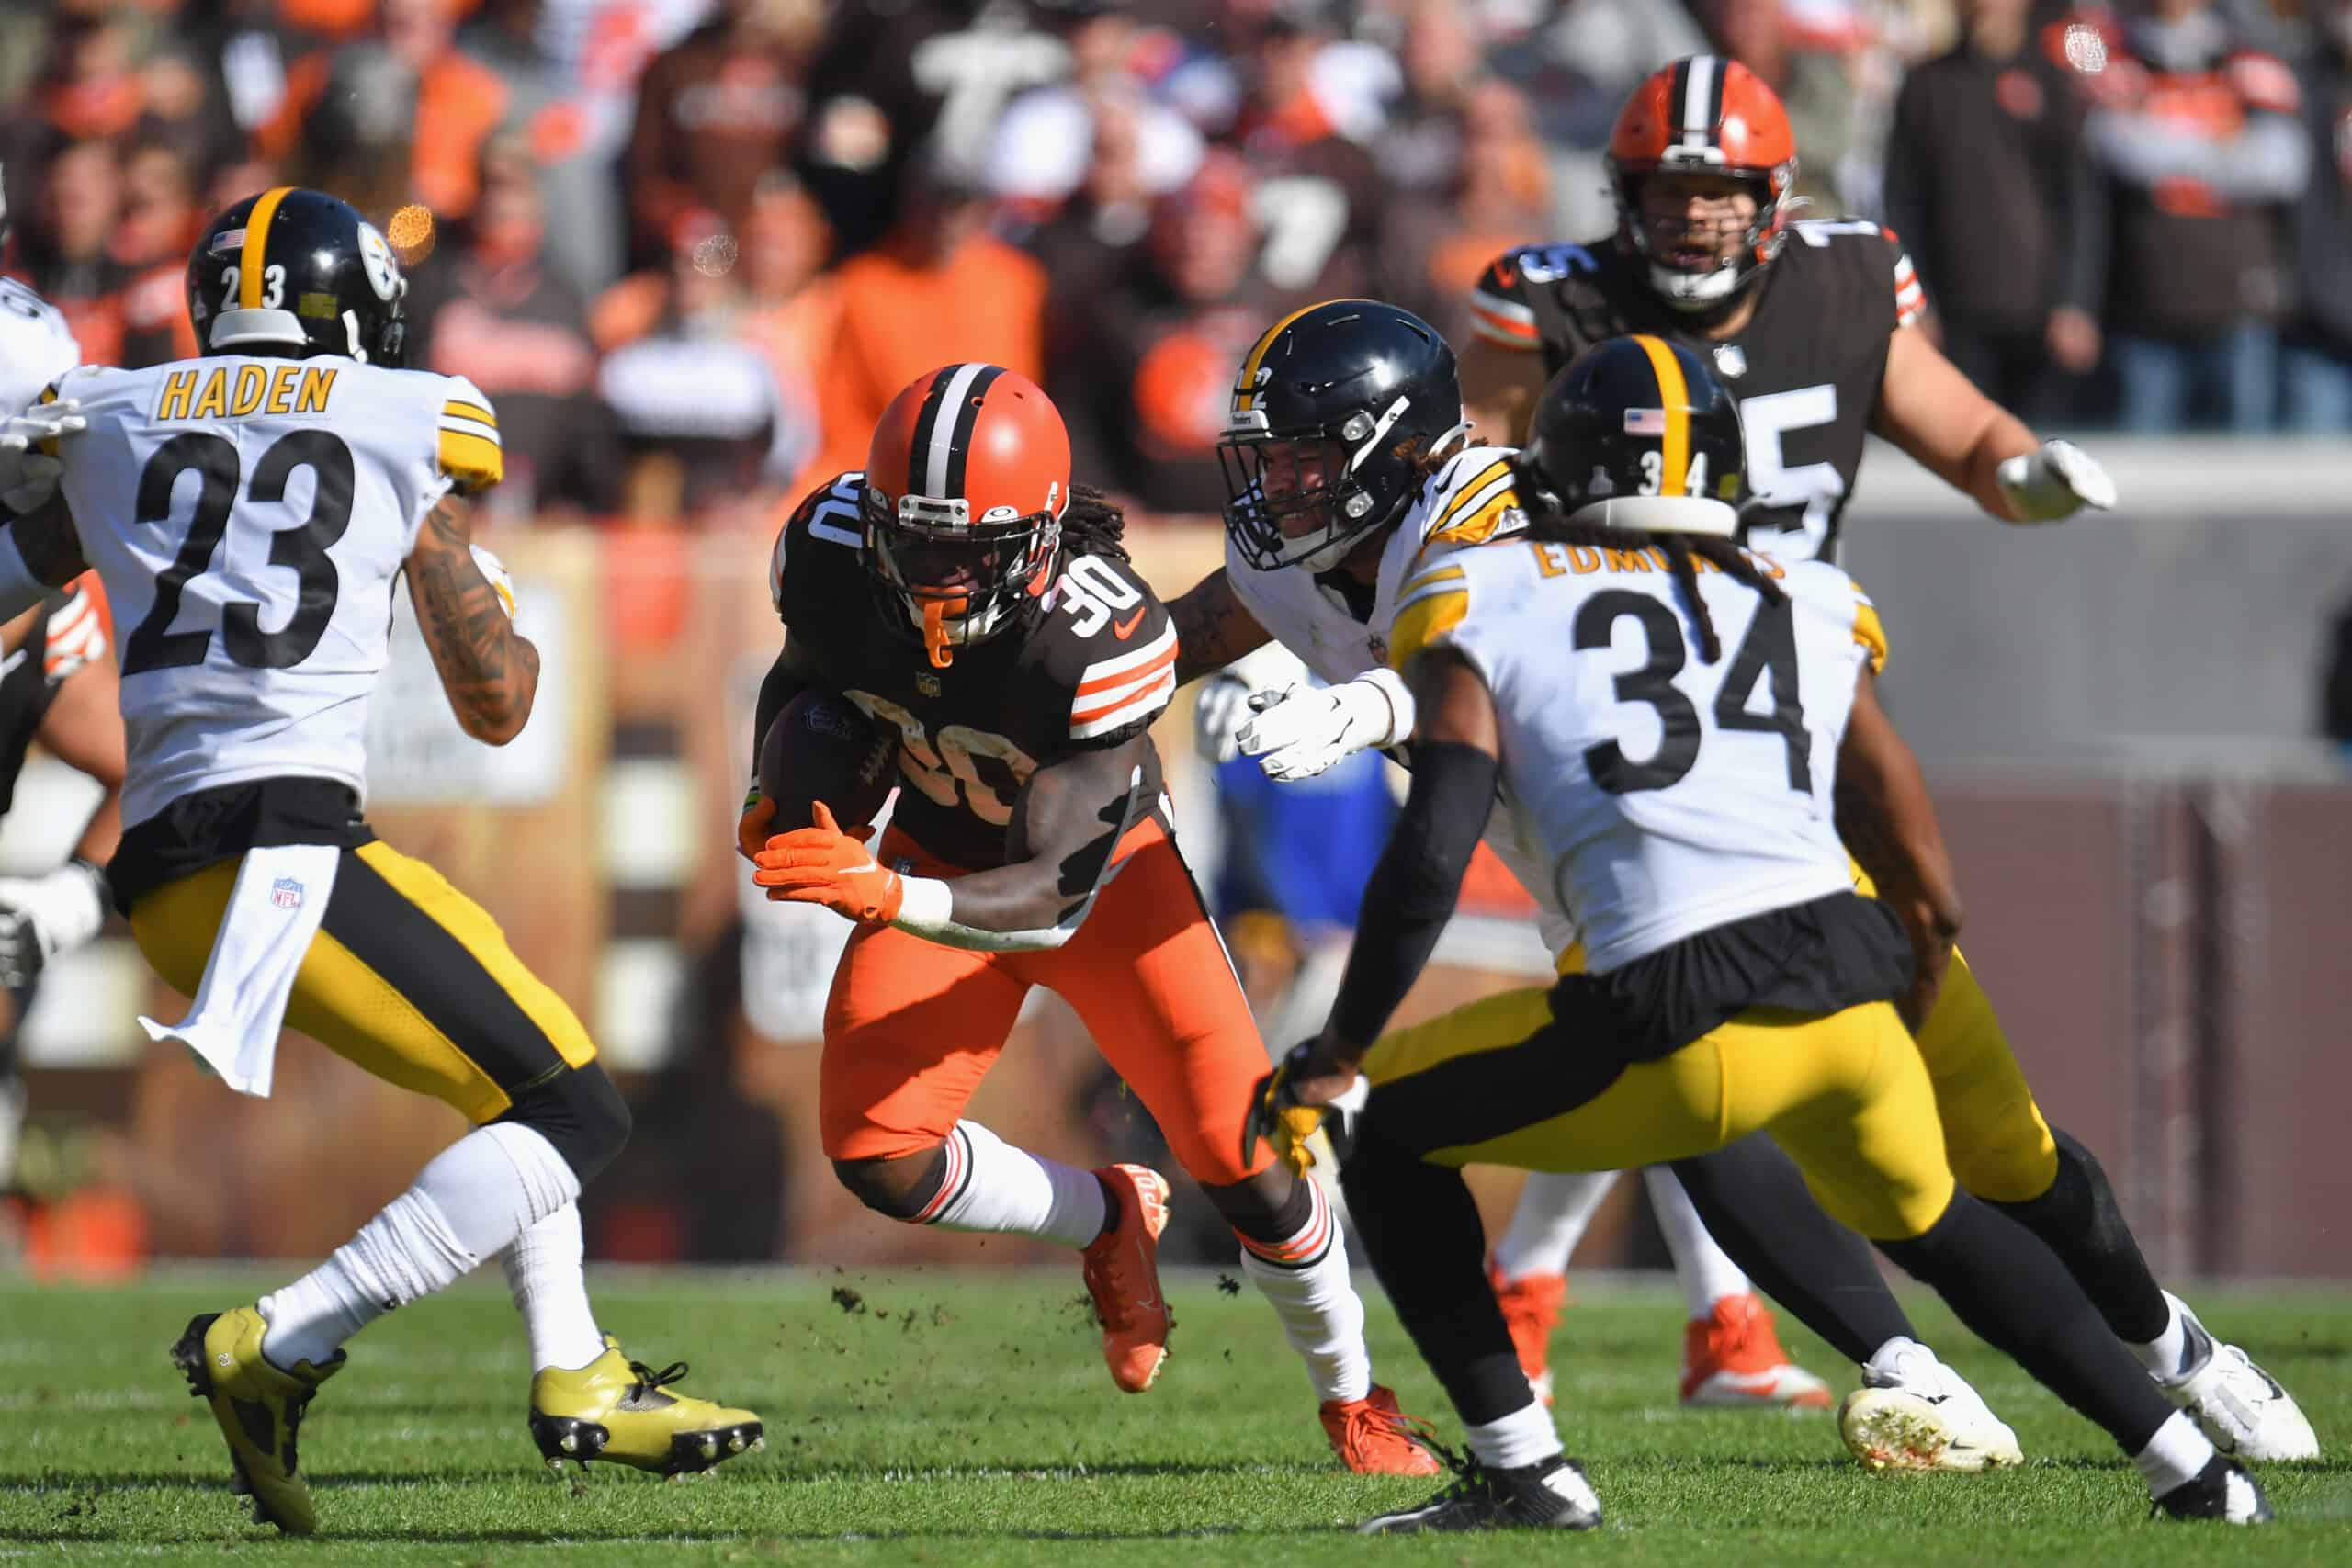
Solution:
(1092, 525)
(1679, 552)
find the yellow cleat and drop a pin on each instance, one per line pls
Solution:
(259, 1407)
(620, 1410)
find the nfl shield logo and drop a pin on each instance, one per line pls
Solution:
(927, 685)
(286, 893)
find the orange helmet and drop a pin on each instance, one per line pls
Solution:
(1705, 114)
(966, 482)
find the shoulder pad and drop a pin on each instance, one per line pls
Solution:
(1109, 642)
(830, 516)
(1470, 500)
(468, 450)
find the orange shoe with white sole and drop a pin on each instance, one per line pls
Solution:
(1373, 1437)
(1123, 1276)
(1732, 1358)
(1530, 1307)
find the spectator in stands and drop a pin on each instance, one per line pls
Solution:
(583, 214)
(2315, 359)
(794, 302)
(489, 305)
(345, 107)
(714, 114)
(1809, 56)
(937, 289)
(64, 249)
(161, 219)
(1147, 378)
(1497, 196)
(2199, 153)
(1983, 169)
(1419, 148)
(1048, 144)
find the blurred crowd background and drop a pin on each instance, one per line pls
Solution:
(691, 247)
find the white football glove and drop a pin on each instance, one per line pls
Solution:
(42, 422)
(1218, 714)
(1306, 730)
(41, 917)
(2057, 481)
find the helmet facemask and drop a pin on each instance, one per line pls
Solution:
(951, 581)
(1700, 284)
(1307, 496)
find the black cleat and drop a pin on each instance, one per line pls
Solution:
(2224, 1490)
(1550, 1495)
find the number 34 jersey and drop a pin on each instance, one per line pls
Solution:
(1669, 796)
(1092, 668)
(248, 516)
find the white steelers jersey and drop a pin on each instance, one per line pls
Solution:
(1468, 501)
(248, 516)
(35, 346)
(1667, 795)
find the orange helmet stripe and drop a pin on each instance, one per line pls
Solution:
(250, 259)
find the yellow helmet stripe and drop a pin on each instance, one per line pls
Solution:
(249, 260)
(1674, 394)
(1245, 388)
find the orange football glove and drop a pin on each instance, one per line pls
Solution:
(751, 830)
(824, 865)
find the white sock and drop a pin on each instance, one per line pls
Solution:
(543, 1275)
(1524, 1436)
(1305, 1276)
(472, 1200)
(992, 1186)
(1554, 1208)
(2164, 1354)
(2173, 1456)
(1707, 1275)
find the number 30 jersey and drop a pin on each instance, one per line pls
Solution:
(1667, 795)
(1092, 668)
(248, 516)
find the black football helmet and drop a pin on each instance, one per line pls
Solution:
(296, 272)
(1331, 411)
(1638, 434)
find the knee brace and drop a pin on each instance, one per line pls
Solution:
(581, 1113)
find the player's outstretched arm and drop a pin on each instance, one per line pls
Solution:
(1213, 627)
(1066, 826)
(1890, 828)
(490, 670)
(1932, 410)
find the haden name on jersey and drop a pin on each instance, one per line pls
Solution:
(242, 391)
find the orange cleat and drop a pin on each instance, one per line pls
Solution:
(1123, 1276)
(1532, 1306)
(1372, 1436)
(1733, 1359)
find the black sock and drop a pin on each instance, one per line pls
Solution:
(1421, 1230)
(1757, 1207)
(2079, 1219)
(2012, 1292)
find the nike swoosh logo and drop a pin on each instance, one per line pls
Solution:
(1506, 273)
(1127, 629)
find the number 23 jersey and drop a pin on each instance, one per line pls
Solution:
(1805, 370)
(1666, 796)
(248, 516)
(1092, 669)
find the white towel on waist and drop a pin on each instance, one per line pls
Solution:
(273, 913)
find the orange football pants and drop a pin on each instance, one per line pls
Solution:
(912, 1027)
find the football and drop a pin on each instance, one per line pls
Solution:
(823, 747)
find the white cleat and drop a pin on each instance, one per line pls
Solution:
(2239, 1406)
(1913, 1413)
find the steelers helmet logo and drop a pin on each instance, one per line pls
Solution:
(383, 272)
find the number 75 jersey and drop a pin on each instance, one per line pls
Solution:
(248, 516)
(1667, 795)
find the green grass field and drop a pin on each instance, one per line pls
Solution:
(965, 1420)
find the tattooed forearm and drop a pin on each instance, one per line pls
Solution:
(1213, 629)
(490, 670)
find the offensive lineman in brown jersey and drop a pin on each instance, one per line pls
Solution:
(1809, 324)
